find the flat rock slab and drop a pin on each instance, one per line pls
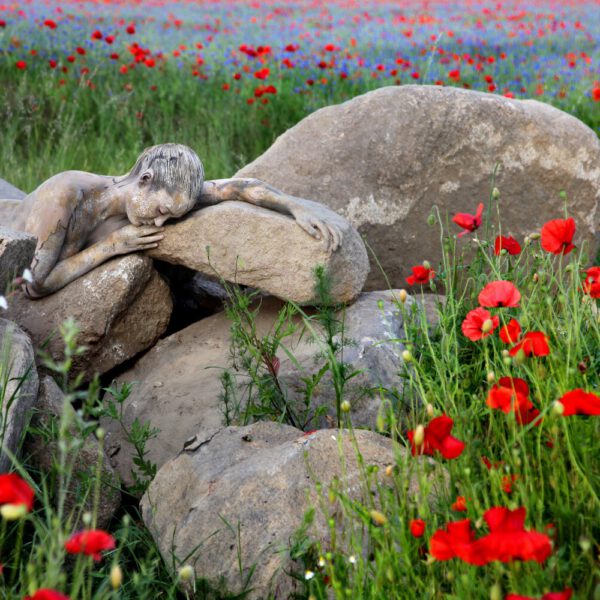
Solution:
(7, 190)
(16, 254)
(249, 488)
(121, 308)
(266, 250)
(177, 384)
(384, 159)
(21, 389)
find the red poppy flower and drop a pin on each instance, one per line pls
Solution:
(47, 594)
(262, 73)
(455, 541)
(460, 505)
(507, 243)
(534, 343)
(557, 236)
(578, 402)
(507, 483)
(564, 595)
(479, 323)
(510, 333)
(591, 285)
(15, 490)
(21, 65)
(97, 35)
(417, 527)
(90, 542)
(130, 29)
(438, 438)
(596, 94)
(499, 294)
(420, 275)
(511, 394)
(468, 221)
(50, 24)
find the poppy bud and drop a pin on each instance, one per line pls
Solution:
(507, 360)
(429, 409)
(403, 295)
(491, 377)
(426, 264)
(407, 356)
(100, 433)
(535, 236)
(345, 406)
(116, 577)
(487, 326)
(495, 193)
(13, 512)
(496, 592)
(378, 517)
(558, 408)
(519, 357)
(186, 572)
(389, 470)
(419, 436)
(431, 219)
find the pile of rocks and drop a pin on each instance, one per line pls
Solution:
(383, 161)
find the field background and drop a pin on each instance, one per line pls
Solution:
(88, 85)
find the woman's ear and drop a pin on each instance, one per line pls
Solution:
(146, 177)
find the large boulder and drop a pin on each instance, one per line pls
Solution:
(16, 254)
(384, 159)
(178, 389)
(18, 388)
(121, 309)
(231, 503)
(84, 455)
(264, 249)
(9, 191)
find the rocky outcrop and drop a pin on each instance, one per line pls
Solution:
(121, 309)
(264, 249)
(18, 388)
(385, 159)
(232, 501)
(16, 254)
(177, 385)
(10, 212)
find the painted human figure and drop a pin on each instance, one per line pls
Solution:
(82, 219)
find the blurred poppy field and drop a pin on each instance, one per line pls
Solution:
(87, 85)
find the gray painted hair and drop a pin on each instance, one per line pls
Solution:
(175, 167)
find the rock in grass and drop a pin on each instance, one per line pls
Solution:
(384, 159)
(121, 308)
(16, 254)
(178, 389)
(9, 191)
(266, 250)
(18, 388)
(41, 449)
(230, 504)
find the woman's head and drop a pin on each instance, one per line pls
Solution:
(168, 179)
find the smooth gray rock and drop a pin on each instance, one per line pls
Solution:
(384, 159)
(121, 307)
(250, 487)
(18, 388)
(177, 386)
(9, 191)
(43, 453)
(16, 254)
